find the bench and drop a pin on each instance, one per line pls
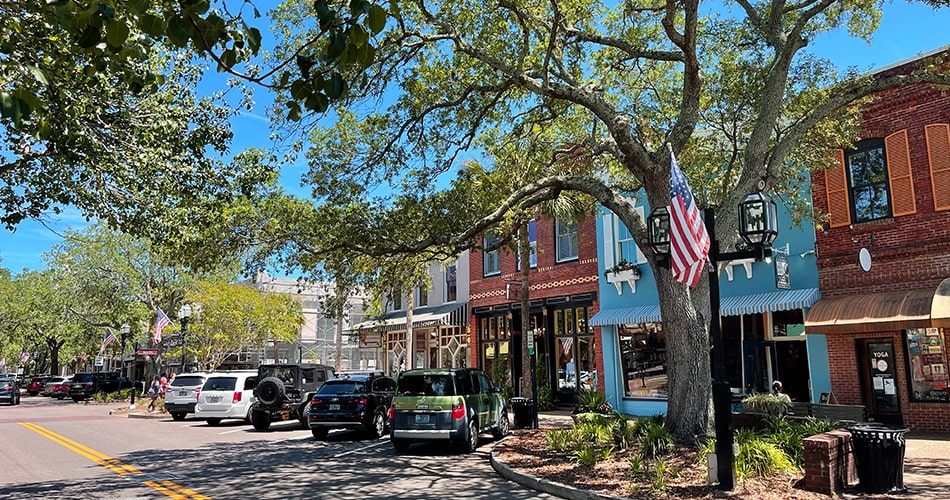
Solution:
(839, 413)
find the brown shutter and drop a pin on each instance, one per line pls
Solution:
(836, 188)
(898, 171)
(938, 151)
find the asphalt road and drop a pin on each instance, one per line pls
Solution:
(60, 449)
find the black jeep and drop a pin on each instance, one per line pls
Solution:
(284, 392)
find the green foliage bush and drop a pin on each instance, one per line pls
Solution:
(759, 457)
(788, 434)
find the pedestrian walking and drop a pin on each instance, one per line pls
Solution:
(162, 389)
(153, 392)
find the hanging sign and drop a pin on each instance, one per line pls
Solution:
(530, 342)
(782, 278)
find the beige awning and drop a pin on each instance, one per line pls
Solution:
(877, 312)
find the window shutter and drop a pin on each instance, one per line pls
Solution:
(938, 151)
(609, 228)
(836, 189)
(898, 171)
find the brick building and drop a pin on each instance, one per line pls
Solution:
(563, 296)
(884, 257)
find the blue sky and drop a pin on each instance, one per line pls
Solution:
(906, 30)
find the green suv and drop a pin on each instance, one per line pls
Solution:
(446, 404)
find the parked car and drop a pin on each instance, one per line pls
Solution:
(9, 391)
(85, 384)
(61, 390)
(50, 383)
(352, 401)
(182, 394)
(36, 384)
(284, 391)
(450, 404)
(226, 395)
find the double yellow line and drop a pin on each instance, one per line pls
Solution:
(166, 487)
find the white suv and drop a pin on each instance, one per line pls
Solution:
(182, 394)
(227, 395)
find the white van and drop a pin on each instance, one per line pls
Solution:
(226, 395)
(182, 394)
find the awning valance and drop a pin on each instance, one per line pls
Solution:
(877, 312)
(627, 316)
(445, 314)
(782, 300)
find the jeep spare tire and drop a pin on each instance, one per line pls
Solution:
(270, 391)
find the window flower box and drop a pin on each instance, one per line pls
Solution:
(623, 272)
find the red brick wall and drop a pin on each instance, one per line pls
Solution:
(549, 279)
(908, 252)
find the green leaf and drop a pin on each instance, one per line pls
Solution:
(38, 74)
(335, 86)
(253, 39)
(152, 25)
(139, 6)
(106, 11)
(89, 38)
(179, 31)
(358, 36)
(294, 113)
(299, 90)
(317, 102)
(118, 33)
(366, 55)
(376, 19)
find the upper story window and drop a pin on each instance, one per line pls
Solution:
(397, 301)
(491, 260)
(867, 181)
(422, 296)
(451, 283)
(565, 241)
(626, 247)
(533, 241)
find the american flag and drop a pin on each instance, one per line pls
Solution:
(109, 338)
(161, 321)
(24, 356)
(689, 241)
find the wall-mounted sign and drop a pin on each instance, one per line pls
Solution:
(782, 278)
(146, 352)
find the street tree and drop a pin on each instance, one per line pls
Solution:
(231, 318)
(732, 90)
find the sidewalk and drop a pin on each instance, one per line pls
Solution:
(926, 467)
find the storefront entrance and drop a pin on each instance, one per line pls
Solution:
(879, 380)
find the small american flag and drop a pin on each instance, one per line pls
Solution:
(161, 321)
(109, 338)
(689, 241)
(24, 356)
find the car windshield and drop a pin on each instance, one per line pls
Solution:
(187, 381)
(220, 384)
(343, 387)
(426, 385)
(285, 373)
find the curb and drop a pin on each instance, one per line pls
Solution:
(544, 485)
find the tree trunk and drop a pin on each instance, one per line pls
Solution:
(410, 334)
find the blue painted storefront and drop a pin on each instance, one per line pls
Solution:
(743, 294)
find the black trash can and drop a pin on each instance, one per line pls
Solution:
(524, 412)
(879, 456)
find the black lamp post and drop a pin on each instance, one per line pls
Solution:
(184, 313)
(758, 226)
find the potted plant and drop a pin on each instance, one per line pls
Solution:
(591, 402)
(768, 404)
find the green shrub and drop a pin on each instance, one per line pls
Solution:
(655, 441)
(768, 404)
(545, 398)
(659, 479)
(789, 434)
(586, 454)
(562, 440)
(759, 457)
(592, 402)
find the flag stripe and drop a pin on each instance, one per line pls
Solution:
(109, 338)
(161, 321)
(689, 241)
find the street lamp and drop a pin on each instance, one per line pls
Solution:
(124, 330)
(184, 312)
(758, 226)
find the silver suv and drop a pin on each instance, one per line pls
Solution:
(183, 393)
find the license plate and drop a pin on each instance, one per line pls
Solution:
(182, 393)
(422, 419)
(334, 407)
(214, 399)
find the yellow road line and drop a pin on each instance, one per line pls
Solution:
(166, 487)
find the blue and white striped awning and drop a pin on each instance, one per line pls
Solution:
(627, 316)
(785, 300)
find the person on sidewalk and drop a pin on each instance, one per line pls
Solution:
(153, 391)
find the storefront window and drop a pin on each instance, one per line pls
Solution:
(927, 358)
(643, 359)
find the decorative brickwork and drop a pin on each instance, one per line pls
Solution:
(829, 462)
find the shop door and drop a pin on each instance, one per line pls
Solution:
(792, 369)
(879, 380)
(759, 358)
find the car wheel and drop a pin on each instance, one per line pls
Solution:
(501, 430)
(177, 415)
(78, 398)
(401, 445)
(305, 415)
(472, 442)
(260, 420)
(320, 433)
(33, 393)
(213, 421)
(270, 390)
(379, 424)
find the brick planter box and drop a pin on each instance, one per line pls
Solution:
(829, 462)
